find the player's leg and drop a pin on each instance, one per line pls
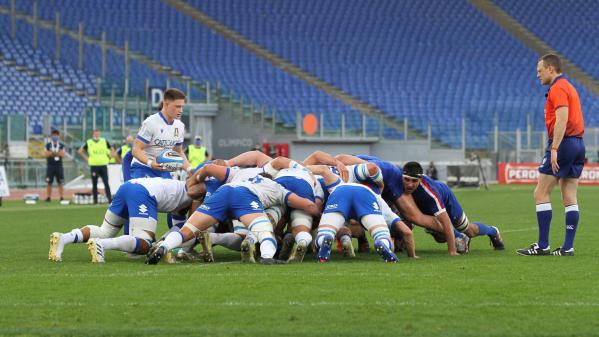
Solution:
(375, 224)
(569, 187)
(114, 218)
(301, 225)
(198, 222)
(344, 239)
(259, 225)
(330, 223)
(542, 195)
(48, 187)
(60, 182)
(94, 173)
(138, 242)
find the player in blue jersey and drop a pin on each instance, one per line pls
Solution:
(436, 198)
(137, 202)
(160, 131)
(351, 201)
(393, 193)
(244, 201)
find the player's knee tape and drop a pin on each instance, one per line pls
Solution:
(300, 218)
(239, 228)
(113, 220)
(373, 220)
(333, 219)
(464, 223)
(275, 213)
(142, 224)
(191, 228)
(260, 224)
(106, 231)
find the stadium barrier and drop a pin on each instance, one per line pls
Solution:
(528, 173)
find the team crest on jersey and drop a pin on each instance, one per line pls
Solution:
(176, 132)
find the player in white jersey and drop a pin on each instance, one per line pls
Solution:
(351, 201)
(244, 201)
(137, 201)
(160, 131)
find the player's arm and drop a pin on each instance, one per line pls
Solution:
(139, 154)
(559, 130)
(349, 159)
(295, 201)
(48, 153)
(61, 153)
(407, 236)
(321, 157)
(81, 152)
(279, 163)
(448, 231)
(210, 170)
(250, 158)
(330, 178)
(113, 153)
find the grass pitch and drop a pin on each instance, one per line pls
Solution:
(484, 293)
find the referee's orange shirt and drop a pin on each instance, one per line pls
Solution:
(561, 93)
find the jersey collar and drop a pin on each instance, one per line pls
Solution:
(164, 119)
(552, 83)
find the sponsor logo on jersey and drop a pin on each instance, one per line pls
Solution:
(332, 206)
(255, 205)
(375, 205)
(143, 209)
(205, 207)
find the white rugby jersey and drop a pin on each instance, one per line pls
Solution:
(268, 191)
(238, 174)
(160, 135)
(170, 194)
(304, 175)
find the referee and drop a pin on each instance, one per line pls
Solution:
(54, 170)
(99, 152)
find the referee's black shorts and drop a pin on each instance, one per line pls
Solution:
(54, 171)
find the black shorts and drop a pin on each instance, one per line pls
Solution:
(55, 172)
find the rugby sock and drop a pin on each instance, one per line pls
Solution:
(229, 240)
(457, 233)
(544, 219)
(485, 230)
(572, 217)
(125, 243)
(74, 236)
(267, 248)
(172, 240)
(304, 236)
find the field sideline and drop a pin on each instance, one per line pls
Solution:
(485, 293)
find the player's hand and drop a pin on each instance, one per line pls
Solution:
(343, 172)
(554, 165)
(158, 167)
(220, 162)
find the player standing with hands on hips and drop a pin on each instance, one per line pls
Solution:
(160, 131)
(564, 156)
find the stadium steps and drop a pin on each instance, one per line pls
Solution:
(135, 55)
(532, 41)
(35, 73)
(290, 68)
